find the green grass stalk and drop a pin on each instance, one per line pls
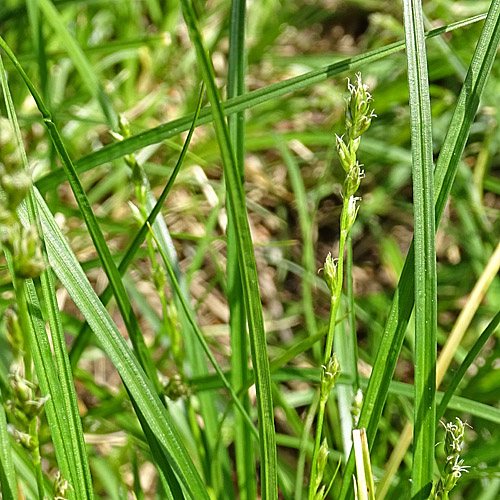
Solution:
(359, 114)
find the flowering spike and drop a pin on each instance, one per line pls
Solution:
(330, 272)
(329, 375)
(454, 467)
(352, 211)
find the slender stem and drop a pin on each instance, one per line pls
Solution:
(351, 315)
(338, 288)
(36, 457)
(303, 442)
(335, 300)
(25, 323)
(317, 444)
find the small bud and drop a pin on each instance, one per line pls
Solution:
(329, 376)
(61, 486)
(27, 253)
(322, 458)
(353, 180)
(362, 125)
(14, 333)
(16, 186)
(22, 389)
(124, 126)
(346, 158)
(354, 144)
(35, 407)
(27, 441)
(352, 211)
(177, 388)
(136, 214)
(330, 273)
(357, 404)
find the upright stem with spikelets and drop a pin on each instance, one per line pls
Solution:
(358, 116)
(454, 467)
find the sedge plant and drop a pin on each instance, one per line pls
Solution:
(358, 116)
(197, 451)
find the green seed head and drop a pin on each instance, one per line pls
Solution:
(359, 111)
(345, 155)
(454, 440)
(27, 441)
(22, 389)
(15, 185)
(330, 272)
(177, 388)
(330, 374)
(27, 253)
(14, 333)
(352, 211)
(353, 180)
(60, 487)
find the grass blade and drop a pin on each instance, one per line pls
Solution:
(245, 460)
(425, 279)
(82, 65)
(247, 265)
(55, 378)
(7, 471)
(68, 270)
(38, 44)
(67, 450)
(444, 175)
(235, 105)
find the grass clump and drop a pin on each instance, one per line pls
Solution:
(164, 328)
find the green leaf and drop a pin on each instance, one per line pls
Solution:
(244, 450)
(71, 275)
(55, 378)
(71, 458)
(425, 279)
(248, 269)
(7, 471)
